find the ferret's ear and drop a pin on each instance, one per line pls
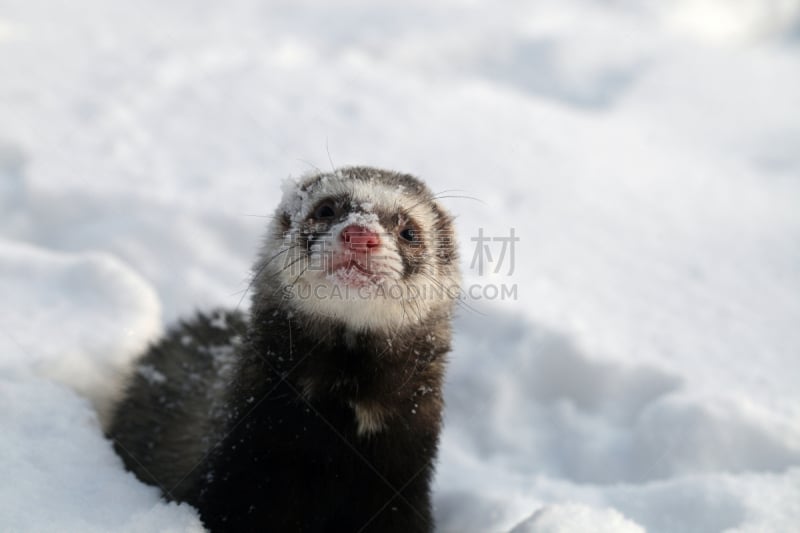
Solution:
(444, 243)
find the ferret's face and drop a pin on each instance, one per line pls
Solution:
(365, 247)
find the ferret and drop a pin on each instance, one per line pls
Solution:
(319, 410)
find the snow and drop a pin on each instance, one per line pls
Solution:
(76, 318)
(70, 322)
(60, 474)
(646, 155)
(576, 518)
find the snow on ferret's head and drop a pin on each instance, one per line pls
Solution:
(366, 247)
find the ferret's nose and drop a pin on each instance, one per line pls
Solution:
(360, 238)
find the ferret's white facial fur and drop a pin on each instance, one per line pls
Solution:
(296, 261)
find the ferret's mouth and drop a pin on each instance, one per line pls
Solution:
(351, 266)
(352, 272)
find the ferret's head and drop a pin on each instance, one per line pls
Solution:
(365, 247)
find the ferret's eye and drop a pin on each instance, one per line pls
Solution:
(325, 210)
(408, 234)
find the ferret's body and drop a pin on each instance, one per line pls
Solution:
(320, 411)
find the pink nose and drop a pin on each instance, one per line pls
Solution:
(360, 238)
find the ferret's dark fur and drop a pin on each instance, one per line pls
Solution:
(290, 419)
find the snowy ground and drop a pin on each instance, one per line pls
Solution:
(646, 154)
